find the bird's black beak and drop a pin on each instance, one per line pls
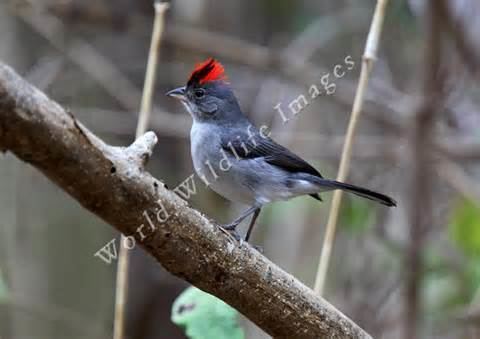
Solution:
(177, 93)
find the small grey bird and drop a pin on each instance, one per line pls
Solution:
(240, 162)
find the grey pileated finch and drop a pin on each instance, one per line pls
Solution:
(240, 162)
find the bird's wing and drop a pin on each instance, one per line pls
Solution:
(273, 153)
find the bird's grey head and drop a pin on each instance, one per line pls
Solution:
(207, 96)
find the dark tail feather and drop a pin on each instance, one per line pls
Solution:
(363, 192)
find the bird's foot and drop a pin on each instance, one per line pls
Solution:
(258, 248)
(230, 229)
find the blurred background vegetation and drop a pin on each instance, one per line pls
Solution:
(90, 55)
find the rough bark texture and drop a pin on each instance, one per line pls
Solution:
(111, 183)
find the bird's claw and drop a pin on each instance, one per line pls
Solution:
(230, 227)
(232, 232)
(258, 248)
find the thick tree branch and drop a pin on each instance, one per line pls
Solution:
(111, 182)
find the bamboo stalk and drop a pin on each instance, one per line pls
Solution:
(121, 292)
(368, 59)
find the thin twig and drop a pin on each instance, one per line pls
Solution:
(149, 85)
(367, 63)
(145, 109)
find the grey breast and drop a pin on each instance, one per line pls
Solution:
(221, 171)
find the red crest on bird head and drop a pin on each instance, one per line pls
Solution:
(209, 70)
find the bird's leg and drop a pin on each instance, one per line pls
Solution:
(252, 223)
(233, 225)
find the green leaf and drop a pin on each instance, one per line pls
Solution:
(465, 227)
(356, 215)
(204, 316)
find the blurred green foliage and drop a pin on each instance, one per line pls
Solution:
(204, 316)
(447, 284)
(465, 228)
(357, 215)
(446, 287)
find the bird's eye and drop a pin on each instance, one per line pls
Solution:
(199, 93)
